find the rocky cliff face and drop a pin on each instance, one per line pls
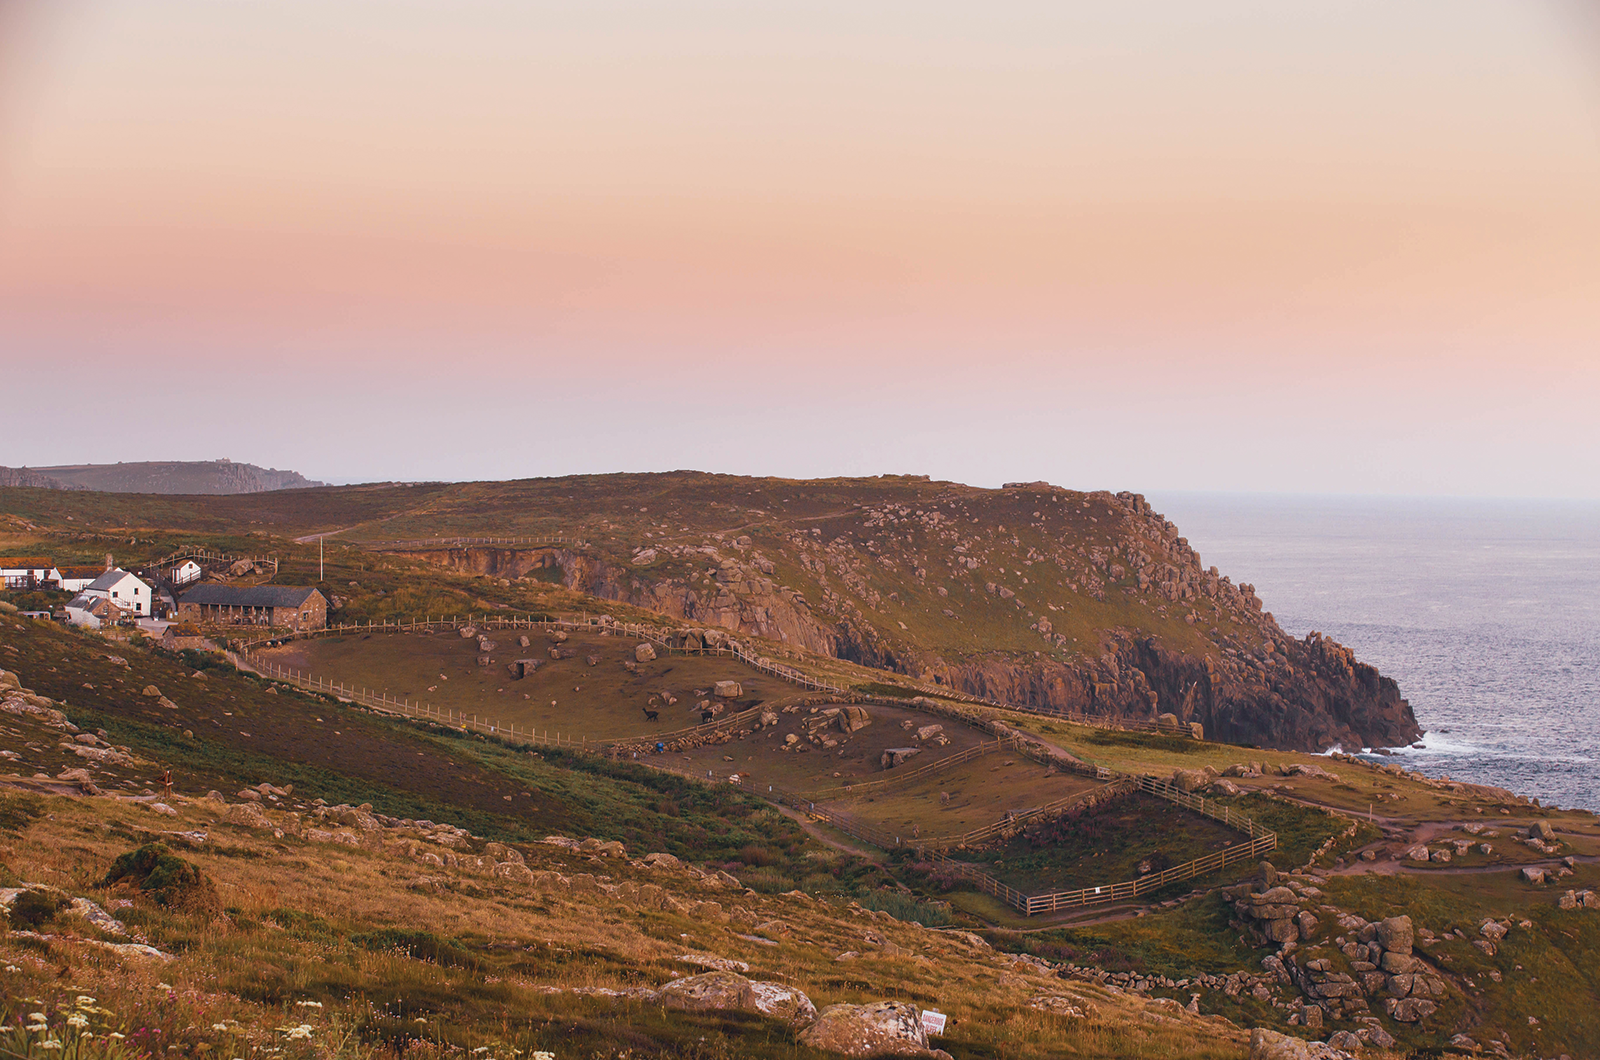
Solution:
(1031, 595)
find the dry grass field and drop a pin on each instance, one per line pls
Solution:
(604, 701)
(980, 792)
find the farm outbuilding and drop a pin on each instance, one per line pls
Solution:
(27, 572)
(288, 606)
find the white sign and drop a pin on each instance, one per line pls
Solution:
(932, 1022)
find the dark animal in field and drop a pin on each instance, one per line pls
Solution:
(706, 715)
(651, 715)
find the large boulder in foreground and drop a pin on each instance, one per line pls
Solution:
(891, 1028)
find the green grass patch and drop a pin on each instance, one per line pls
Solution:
(1102, 845)
(1148, 741)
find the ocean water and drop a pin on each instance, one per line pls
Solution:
(1487, 613)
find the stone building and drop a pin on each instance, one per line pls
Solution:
(285, 606)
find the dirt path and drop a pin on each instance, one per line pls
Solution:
(327, 534)
(827, 838)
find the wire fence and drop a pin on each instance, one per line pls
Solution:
(247, 656)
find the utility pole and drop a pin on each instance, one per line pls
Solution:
(319, 557)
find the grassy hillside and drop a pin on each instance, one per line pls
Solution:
(413, 938)
(1034, 594)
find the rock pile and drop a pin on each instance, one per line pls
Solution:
(1379, 966)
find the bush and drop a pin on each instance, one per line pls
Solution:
(759, 857)
(166, 878)
(33, 909)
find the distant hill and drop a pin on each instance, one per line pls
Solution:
(24, 477)
(159, 476)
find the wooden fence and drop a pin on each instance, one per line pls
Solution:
(1260, 842)
(563, 540)
(198, 552)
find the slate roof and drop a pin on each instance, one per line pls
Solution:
(109, 579)
(248, 596)
(95, 605)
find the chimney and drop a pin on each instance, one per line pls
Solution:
(110, 565)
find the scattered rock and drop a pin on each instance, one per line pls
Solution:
(882, 1028)
(1396, 934)
(783, 1002)
(709, 992)
(1270, 1045)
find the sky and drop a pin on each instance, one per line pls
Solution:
(1342, 247)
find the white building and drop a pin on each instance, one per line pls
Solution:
(77, 579)
(188, 571)
(124, 590)
(26, 572)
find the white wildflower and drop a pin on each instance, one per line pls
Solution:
(219, 1026)
(539, 1054)
(77, 1020)
(300, 1033)
(38, 1028)
(51, 1044)
(117, 1036)
(480, 1049)
(84, 1000)
(163, 986)
(309, 1004)
(12, 968)
(37, 1017)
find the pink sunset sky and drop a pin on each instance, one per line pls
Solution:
(1301, 247)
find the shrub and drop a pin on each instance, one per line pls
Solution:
(33, 909)
(169, 880)
(757, 856)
